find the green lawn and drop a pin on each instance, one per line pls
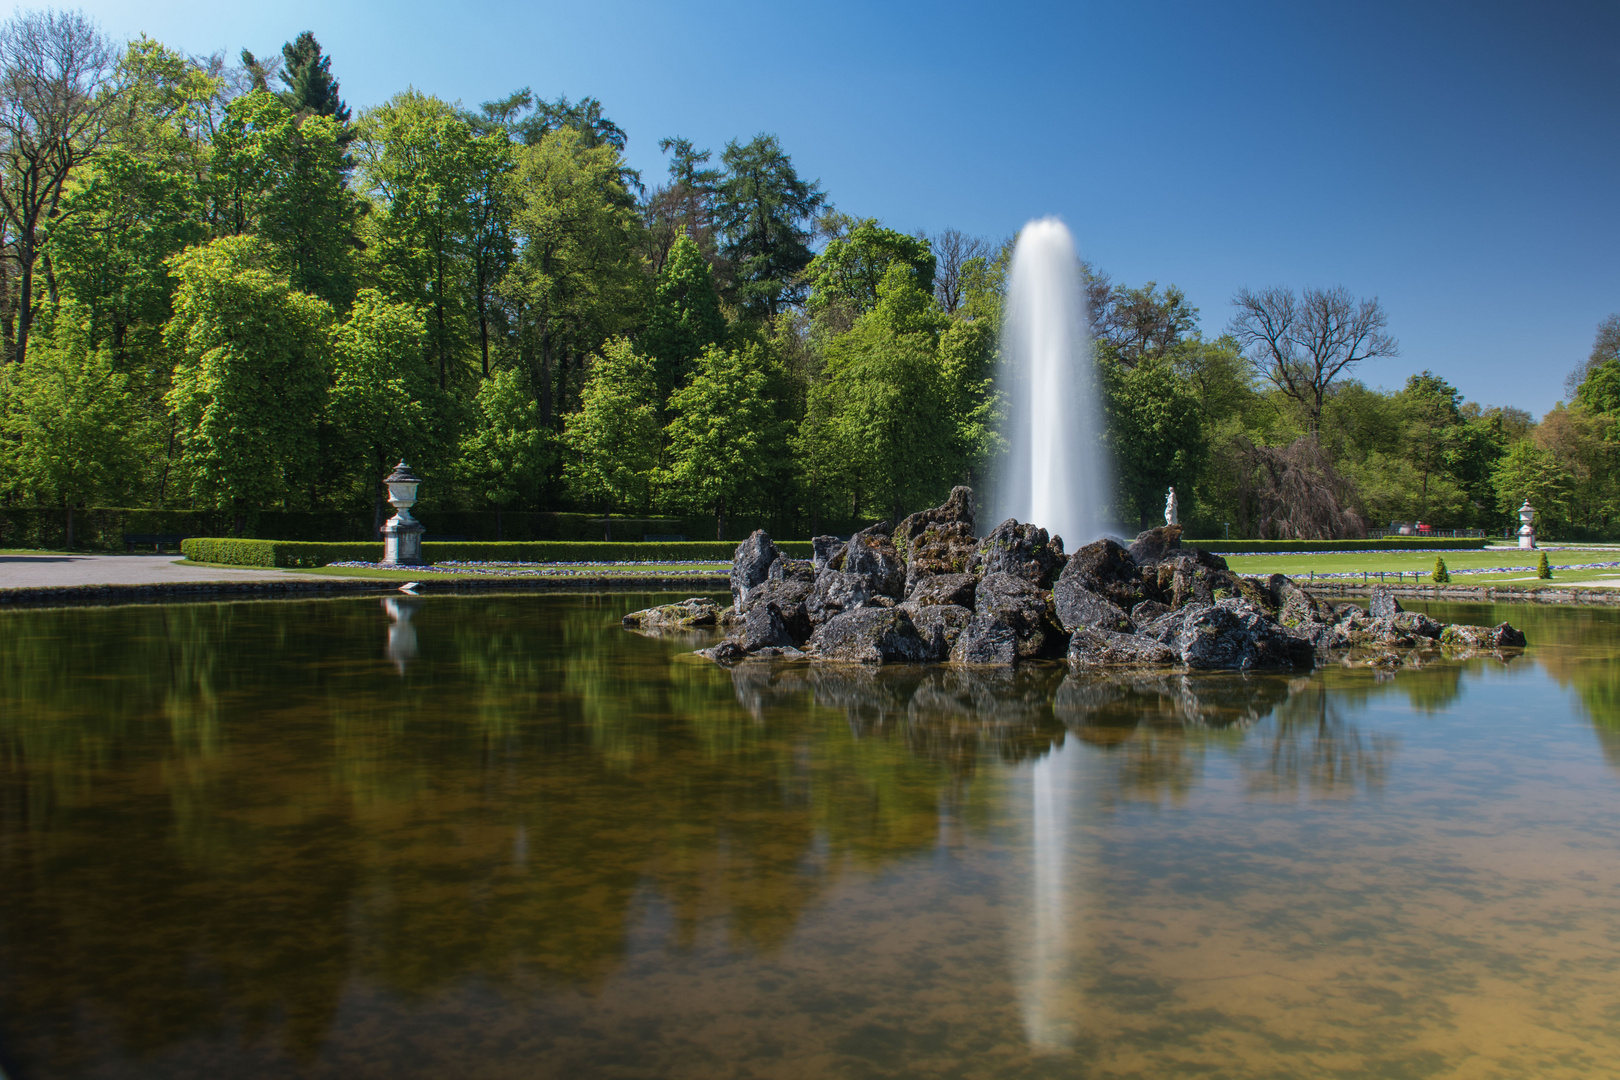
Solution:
(1390, 562)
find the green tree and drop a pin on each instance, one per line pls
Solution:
(381, 398)
(1155, 425)
(307, 72)
(67, 418)
(685, 318)
(507, 451)
(873, 427)
(850, 268)
(613, 439)
(577, 280)
(419, 163)
(763, 211)
(282, 178)
(1527, 471)
(725, 441)
(251, 371)
(138, 201)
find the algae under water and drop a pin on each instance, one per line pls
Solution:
(505, 837)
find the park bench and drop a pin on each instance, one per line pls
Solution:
(157, 540)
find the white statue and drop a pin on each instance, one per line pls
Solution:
(1172, 511)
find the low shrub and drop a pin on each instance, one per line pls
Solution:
(1543, 570)
(1441, 575)
(300, 554)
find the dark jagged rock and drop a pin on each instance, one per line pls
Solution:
(786, 569)
(1233, 633)
(751, 565)
(725, 653)
(790, 595)
(869, 636)
(1108, 570)
(1415, 622)
(940, 550)
(836, 592)
(1016, 596)
(944, 589)
(694, 612)
(1026, 610)
(986, 640)
(957, 509)
(1150, 547)
(826, 550)
(1148, 610)
(1022, 550)
(1077, 607)
(1500, 636)
(1090, 648)
(763, 627)
(872, 556)
(1382, 603)
(939, 625)
(938, 541)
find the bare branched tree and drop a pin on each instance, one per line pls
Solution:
(1294, 493)
(1302, 343)
(56, 89)
(953, 249)
(1605, 347)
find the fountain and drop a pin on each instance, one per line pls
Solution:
(1056, 471)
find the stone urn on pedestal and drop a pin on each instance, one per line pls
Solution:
(402, 535)
(1527, 531)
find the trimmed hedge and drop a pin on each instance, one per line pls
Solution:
(302, 554)
(1281, 547)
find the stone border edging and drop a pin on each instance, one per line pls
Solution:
(1488, 594)
(159, 592)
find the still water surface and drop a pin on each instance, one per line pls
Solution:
(507, 838)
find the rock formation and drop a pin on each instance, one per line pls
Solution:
(930, 591)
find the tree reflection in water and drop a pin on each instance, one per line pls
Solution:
(224, 818)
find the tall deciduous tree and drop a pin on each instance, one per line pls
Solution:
(507, 450)
(382, 392)
(419, 162)
(850, 268)
(251, 369)
(725, 441)
(1301, 343)
(874, 421)
(283, 179)
(613, 439)
(57, 88)
(67, 418)
(578, 279)
(764, 210)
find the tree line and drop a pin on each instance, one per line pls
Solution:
(220, 287)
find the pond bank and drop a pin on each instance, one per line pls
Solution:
(1496, 594)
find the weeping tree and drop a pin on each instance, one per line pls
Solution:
(1294, 493)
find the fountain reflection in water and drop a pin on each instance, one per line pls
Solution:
(1056, 473)
(1043, 986)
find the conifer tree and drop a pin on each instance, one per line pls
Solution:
(685, 317)
(308, 75)
(1544, 571)
(1441, 575)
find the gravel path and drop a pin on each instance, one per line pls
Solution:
(32, 571)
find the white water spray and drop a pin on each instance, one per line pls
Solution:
(1057, 473)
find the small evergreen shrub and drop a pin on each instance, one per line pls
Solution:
(1441, 575)
(1543, 571)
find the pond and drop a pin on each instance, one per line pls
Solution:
(505, 837)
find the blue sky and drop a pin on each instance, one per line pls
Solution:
(1459, 161)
